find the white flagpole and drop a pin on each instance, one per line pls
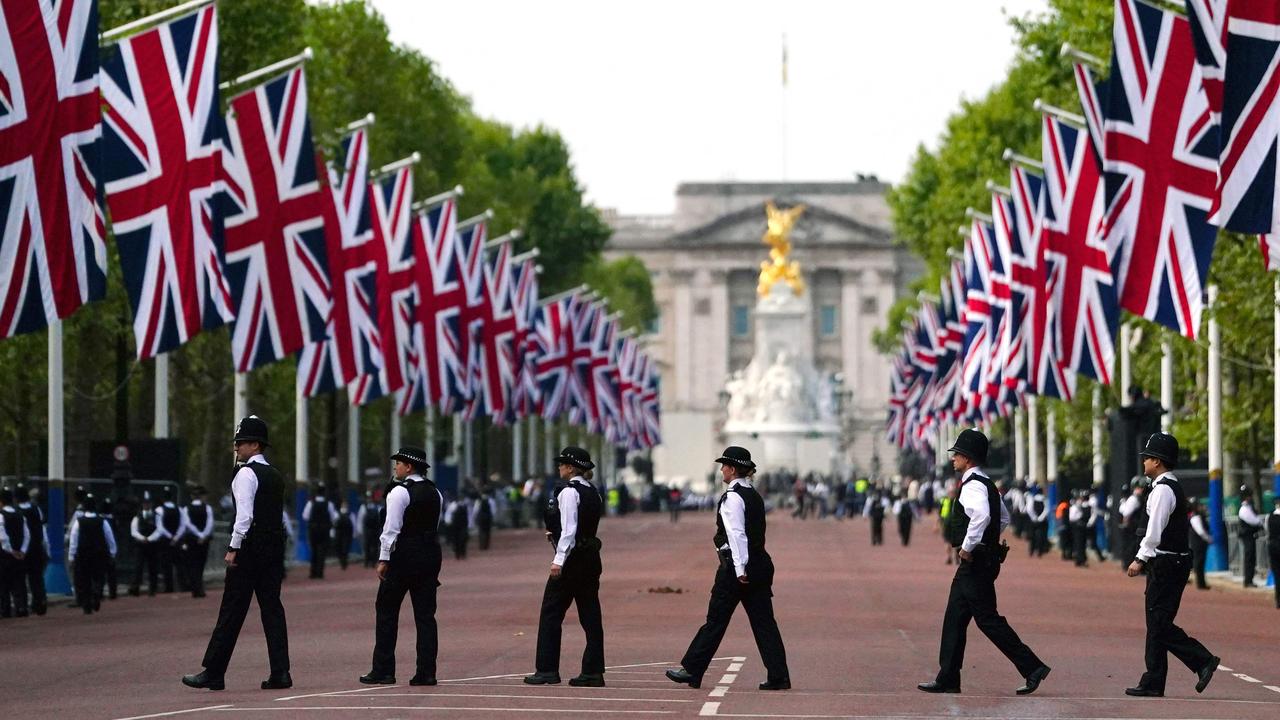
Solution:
(1019, 446)
(1215, 389)
(1050, 446)
(455, 447)
(517, 449)
(1166, 382)
(353, 444)
(1033, 441)
(393, 431)
(300, 433)
(57, 434)
(162, 397)
(548, 450)
(1275, 452)
(468, 450)
(240, 397)
(1097, 434)
(1126, 366)
(532, 463)
(430, 423)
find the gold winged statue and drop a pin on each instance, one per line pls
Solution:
(778, 238)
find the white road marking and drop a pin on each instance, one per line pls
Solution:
(1272, 688)
(338, 692)
(733, 667)
(882, 716)
(1246, 678)
(970, 696)
(719, 691)
(536, 697)
(1225, 668)
(727, 679)
(709, 709)
(176, 712)
(349, 708)
(735, 659)
(669, 687)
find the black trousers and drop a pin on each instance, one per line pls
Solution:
(757, 600)
(165, 552)
(459, 535)
(578, 584)
(342, 545)
(1250, 548)
(197, 559)
(904, 529)
(1065, 541)
(1199, 553)
(319, 542)
(973, 597)
(145, 554)
(372, 545)
(877, 530)
(90, 574)
(414, 569)
(1166, 579)
(1080, 543)
(13, 586)
(34, 568)
(483, 534)
(258, 572)
(1039, 544)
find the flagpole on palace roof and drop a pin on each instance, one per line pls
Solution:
(457, 191)
(142, 24)
(1059, 114)
(275, 68)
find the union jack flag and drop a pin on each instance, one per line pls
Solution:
(559, 352)
(524, 305)
(277, 261)
(1270, 246)
(493, 338)
(627, 355)
(439, 297)
(391, 202)
(1247, 199)
(994, 397)
(163, 141)
(52, 255)
(979, 250)
(1083, 311)
(584, 408)
(650, 401)
(1161, 161)
(457, 326)
(1013, 237)
(354, 345)
(604, 389)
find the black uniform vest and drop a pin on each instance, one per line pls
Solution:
(14, 522)
(753, 519)
(146, 523)
(1244, 530)
(589, 508)
(1273, 535)
(484, 513)
(35, 527)
(374, 518)
(1174, 538)
(92, 541)
(268, 507)
(1037, 506)
(422, 517)
(171, 519)
(958, 520)
(320, 521)
(198, 515)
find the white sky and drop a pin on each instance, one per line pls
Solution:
(649, 94)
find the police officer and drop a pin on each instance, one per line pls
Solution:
(572, 519)
(197, 528)
(1273, 544)
(483, 509)
(369, 521)
(255, 564)
(1164, 555)
(458, 516)
(37, 550)
(974, 526)
(1081, 519)
(1201, 539)
(1250, 526)
(408, 562)
(1038, 518)
(14, 544)
(875, 508)
(107, 511)
(343, 529)
(320, 516)
(745, 575)
(167, 551)
(1133, 518)
(93, 545)
(147, 536)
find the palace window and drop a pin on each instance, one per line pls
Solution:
(827, 321)
(740, 321)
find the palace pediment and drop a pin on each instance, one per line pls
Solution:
(817, 227)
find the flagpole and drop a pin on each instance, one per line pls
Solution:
(161, 401)
(517, 449)
(562, 295)
(393, 430)
(1033, 441)
(504, 239)
(455, 447)
(548, 450)
(1217, 558)
(457, 191)
(302, 469)
(532, 467)
(1019, 447)
(1096, 434)
(1126, 365)
(56, 573)
(1275, 480)
(1166, 382)
(240, 397)
(429, 421)
(1050, 445)
(353, 443)
(468, 449)
(389, 168)
(117, 34)
(276, 68)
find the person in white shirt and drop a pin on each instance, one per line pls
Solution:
(1164, 554)
(1132, 518)
(15, 542)
(1200, 539)
(92, 546)
(194, 535)
(320, 516)
(147, 535)
(1249, 529)
(974, 525)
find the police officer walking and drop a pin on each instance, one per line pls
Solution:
(37, 550)
(1201, 539)
(15, 541)
(255, 564)
(147, 536)
(1250, 526)
(93, 545)
(320, 516)
(408, 562)
(168, 553)
(1164, 554)
(572, 519)
(974, 526)
(369, 522)
(745, 575)
(197, 528)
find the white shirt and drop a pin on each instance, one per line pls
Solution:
(44, 529)
(567, 499)
(1075, 513)
(135, 528)
(163, 511)
(1197, 525)
(474, 514)
(1248, 515)
(244, 486)
(1044, 508)
(11, 544)
(733, 512)
(1160, 504)
(397, 503)
(287, 521)
(973, 498)
(75, 536)
(201, 533)
(333, 512)
(1130, 506)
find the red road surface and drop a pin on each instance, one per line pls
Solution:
(861, 626)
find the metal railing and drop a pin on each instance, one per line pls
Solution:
(1235, 551)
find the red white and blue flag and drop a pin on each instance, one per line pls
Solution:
(493, 340)
(162, 163)
(277, 259)
(439, 297)
(524, 306)
(976, 352)
(1161, 147)
(457, 326)
(53, 257)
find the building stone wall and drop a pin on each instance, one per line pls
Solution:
(704, 260)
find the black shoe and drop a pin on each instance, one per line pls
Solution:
(682, 676)
(542, 679)
(1206, 674)
(585, 680)
(204, 680)
(1034, 680)
(1140, 691)
(134, 592)
(421, 679)
(783, 684)
(374, 678)
(197, 594)
(933, 686)
(278, 682)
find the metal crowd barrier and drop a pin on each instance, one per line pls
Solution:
(1235, 551)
